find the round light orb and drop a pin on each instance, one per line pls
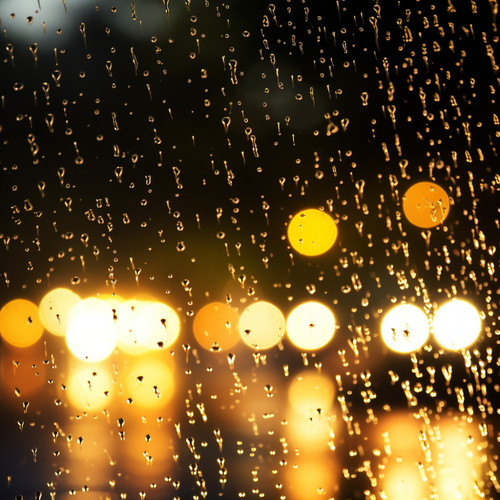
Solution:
(91, 334)
(312, 232)
(130, 336)
(405, 328)
(216, 327)
(310, 325)
(149, 381)
(158, 325)
(311, 393)
(20, 324)
(54, 309)
(426, 204)
(90, 387)
(262, 325)
(456, 324)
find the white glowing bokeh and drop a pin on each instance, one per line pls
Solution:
(262, 325)
(91, 334)
(456, 325)
(405, 328)
(310, 325)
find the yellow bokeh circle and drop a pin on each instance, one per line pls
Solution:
(216, 327)
(312, 232)
(20, 324)
(54, 309)
(426, 204)
(262, 325)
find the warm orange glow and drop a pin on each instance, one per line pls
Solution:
(90, 387)
(20, 324)
(148, 381)
(23, 372)
(311, 477)
(91, 334)
(312, 232)
(262, 325)
(310, 325)
(216, 327)
(426, 204)
(402, 480)
(311, 393)
(54, 310)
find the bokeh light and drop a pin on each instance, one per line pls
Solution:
(23, 372)
(311, 477)
(143, 326)
(312, 232)
(405, 328)
(20, 324)
(216, 327)
(262, 325)
(403, 480)
(311, 393)
(91, 334)
(90, 387)
(426, 204)
(456, 324)
(310, 325)
(149, 381)
(54, 309)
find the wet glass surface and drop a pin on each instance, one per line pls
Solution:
(249, 250)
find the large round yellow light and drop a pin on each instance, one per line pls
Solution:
(216, 327)
(456, 325)
(20, 325)
(54, 309)
(310, 325)
(90, 388)
(405, 328)
(130, 337)
(262, 325)
(312, 232)
(311, 393)
(158, 325)
(149, 381)
(91, 334)
(426, 204)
